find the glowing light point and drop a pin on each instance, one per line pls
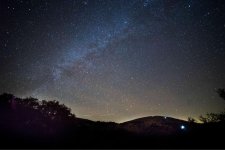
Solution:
(182, 127)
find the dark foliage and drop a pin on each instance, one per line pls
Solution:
(221, 93)
(32, 117)
(191, 120)
(30, 123)
(215, 117)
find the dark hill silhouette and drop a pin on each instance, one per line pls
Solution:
(30, 123)
(157, 126)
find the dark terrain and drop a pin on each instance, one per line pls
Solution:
(30, 123)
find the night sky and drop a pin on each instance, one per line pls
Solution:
(115, 60)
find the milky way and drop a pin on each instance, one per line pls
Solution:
(116, 60)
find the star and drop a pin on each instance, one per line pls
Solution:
(106, 58)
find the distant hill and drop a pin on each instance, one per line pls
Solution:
(157, 126)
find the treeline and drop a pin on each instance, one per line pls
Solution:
(31, 123)
(29, 116)
(212, 117)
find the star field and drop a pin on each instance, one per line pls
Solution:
(115, 60)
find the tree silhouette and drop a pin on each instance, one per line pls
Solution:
(55, 110)
(31, 116)
(210, 117)
(191, 120)
(221, 93)
(5, 100)
(215, 117)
